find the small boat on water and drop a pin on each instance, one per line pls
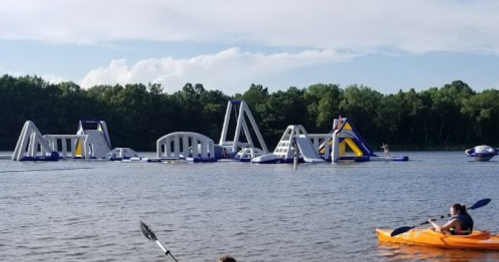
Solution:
(482, 152)
(427, 237)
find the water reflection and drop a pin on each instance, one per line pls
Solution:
(403, 252)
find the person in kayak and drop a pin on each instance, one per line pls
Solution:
(460, 223)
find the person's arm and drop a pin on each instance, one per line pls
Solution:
(435, 226)
(454, 222)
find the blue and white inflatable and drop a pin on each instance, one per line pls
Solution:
(482, 153)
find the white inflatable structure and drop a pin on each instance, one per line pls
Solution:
(247, 154)
(286, 150)
(121, 153)
(33, 146)
(482, 152)
(241, 126)
(307, 150)
(295, 143)
(344, 136)
(101, 143)
(186, 145)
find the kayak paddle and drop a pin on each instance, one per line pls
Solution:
(401, 230)
(151, 236)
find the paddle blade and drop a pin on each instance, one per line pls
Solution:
(147, 231)
(400, 230)
(480, 203)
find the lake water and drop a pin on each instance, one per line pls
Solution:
(90, 210)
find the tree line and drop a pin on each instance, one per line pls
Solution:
(451, 117)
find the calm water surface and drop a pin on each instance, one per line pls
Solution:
(90, 210)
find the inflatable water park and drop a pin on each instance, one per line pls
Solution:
(91, 141)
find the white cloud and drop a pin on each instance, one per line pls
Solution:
(4, 71)
(54, 79)
(227, 71)
(50, 78)
(415, 26)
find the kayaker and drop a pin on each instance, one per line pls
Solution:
(226, 259)
(460, 223)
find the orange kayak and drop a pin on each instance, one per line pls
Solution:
(428, 237)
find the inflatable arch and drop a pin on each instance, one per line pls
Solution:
(186, 145)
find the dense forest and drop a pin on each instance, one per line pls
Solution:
(452, 117)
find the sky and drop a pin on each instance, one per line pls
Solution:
(227, 45)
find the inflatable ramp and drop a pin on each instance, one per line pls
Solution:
(29, 143)
(101, 145)
(307, 150)
(349, 137)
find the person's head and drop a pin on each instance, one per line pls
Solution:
(457, 209)
(226, 259)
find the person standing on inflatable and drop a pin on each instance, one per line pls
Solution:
(386, 151)
(339, 124)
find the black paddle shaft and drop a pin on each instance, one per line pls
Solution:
(146, 230)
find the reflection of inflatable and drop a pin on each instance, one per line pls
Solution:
(428, 237)
(482, 153)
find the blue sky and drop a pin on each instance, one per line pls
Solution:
(229, 44)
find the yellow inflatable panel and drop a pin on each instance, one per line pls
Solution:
(78, 148)
(356, 150)
(343, 148)
(323, 148)
(353, 146)
(347, 126)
